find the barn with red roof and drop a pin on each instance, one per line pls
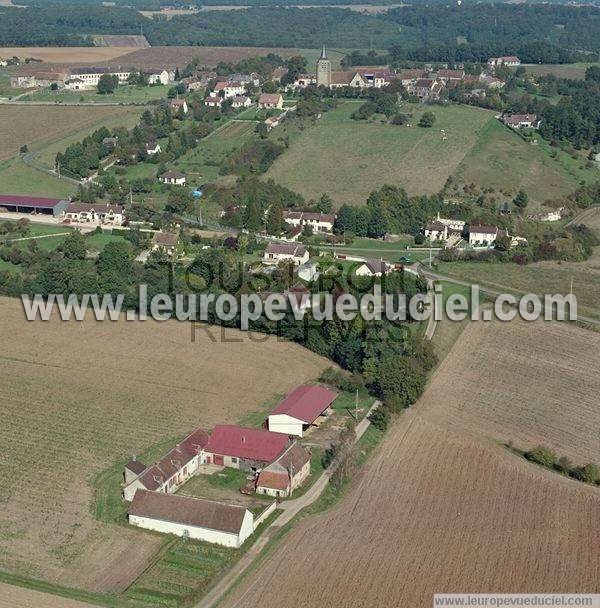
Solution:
(17, 203)
(244, 448)
(301, 409)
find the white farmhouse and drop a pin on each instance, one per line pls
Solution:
(174, 178)
(152, 148)
(90, 76)
(371, 268)
(281, 252)
(170, 472)
(301, 410)
(319, 222)
(283, 476)
(241, 101)
(207, 520)
(480, 235)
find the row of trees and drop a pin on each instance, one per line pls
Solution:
(544, 456)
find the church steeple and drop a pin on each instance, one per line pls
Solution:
(323, 69)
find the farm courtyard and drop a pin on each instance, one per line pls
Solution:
(442, 506)
(349, 158)
(79, 398)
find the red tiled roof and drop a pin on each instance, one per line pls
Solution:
(286, 249)
(241, 442)
(269, 98)
(273, 480)
(188, 511)
(136, 466)
(306, 403)
(29, 201)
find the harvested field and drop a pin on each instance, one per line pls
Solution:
(543, 386)
(67, 54)
(170, 56)
(442, 507)
(33, 126)
(78, 397)
(19, 597)
(564, 70)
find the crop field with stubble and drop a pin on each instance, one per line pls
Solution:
(34, 126)
(443, 507)
(79, 398)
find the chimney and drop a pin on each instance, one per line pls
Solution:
(243, 439)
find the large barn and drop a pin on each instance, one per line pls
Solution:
(16, 203)
(243, 448)
(301, 409)
(213, 522)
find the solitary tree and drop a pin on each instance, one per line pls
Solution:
(427, 120)
(520, 201)
(107, 84)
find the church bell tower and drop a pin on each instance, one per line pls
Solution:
(323, 69)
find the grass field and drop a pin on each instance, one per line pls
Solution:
(348, 158)
(503, 161)
(17, 178)
(441, 507)
(64, 423)
(204, 160)
(35, 126)
(126, 94)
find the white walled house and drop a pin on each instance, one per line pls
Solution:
(184, 516)
(163, 77)
(436, 231)
(480, 235)
(87, 213)
(213, 101)
(229, 89)
(281, 252)
(301, 409)
(174, 178)
(241, 101)
(270, 101)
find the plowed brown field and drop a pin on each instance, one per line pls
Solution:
(442, 508)
(77, 397)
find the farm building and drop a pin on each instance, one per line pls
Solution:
(207, 520)
(288, 472)
(90, 76)
(510, 61)
(14, 203)
(229, 89)
(171, 471)
(280, 252)
(270, 101)
(87, 213)
(134, 468)
(371, 268)
(301, 409)
(175, 178)
(243, 448)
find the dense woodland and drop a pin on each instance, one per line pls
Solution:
(538, 33)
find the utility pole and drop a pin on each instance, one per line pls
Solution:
(356, 407)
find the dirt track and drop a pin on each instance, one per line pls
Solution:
(441, 510)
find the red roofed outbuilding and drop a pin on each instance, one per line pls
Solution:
(301, 409)
(244, 448)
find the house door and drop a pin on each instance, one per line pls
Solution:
(219, 460)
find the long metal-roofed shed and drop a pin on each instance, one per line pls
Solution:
(17, 203)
